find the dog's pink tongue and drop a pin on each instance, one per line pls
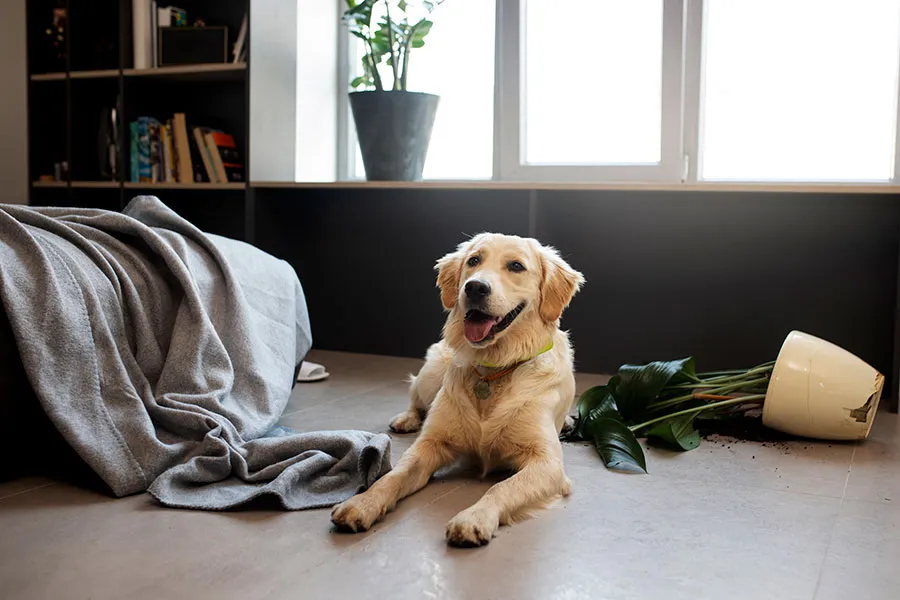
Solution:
(477, 331)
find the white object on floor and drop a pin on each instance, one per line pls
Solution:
(312, 372)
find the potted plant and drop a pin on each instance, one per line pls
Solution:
(393, 125)
(813, 389)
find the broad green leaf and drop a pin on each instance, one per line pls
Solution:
(359, 15)
(593, 398)
(398, 27)
(402, 5)
(677, 433)
(597, 401)
(616, 445)
(420, 30)
(361, 80)
(687, 373)
(639, 385)
(380, 47)
(363, 7)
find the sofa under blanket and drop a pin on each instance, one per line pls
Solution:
(165, 356)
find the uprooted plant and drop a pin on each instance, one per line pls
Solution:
(661, 401)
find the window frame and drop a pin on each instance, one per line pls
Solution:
(509, 115)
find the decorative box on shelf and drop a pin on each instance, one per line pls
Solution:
(192, 45)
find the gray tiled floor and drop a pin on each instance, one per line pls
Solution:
(809, 520)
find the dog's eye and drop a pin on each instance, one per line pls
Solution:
(515, 266)
(473, 262)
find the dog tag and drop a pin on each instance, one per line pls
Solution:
(482, 390)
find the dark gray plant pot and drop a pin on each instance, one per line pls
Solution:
(394, 130)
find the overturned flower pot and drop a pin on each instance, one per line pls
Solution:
(819, 390)
(814, 389)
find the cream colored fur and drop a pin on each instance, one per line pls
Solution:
(518, 426)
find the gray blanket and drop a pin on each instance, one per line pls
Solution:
(165, 357)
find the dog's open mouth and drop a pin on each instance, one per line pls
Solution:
(480, 326)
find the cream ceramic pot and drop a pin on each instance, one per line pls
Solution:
(819, 390)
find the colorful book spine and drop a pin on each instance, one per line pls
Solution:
(155, 148)
(145, 169)
(135, 136)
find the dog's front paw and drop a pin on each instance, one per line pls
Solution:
(407, 422)
(472, 527)
(358, 513)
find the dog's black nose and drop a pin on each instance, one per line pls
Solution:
(477, 290)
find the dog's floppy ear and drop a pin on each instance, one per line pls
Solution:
(559, 285)
(449, 269)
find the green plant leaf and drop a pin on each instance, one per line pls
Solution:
(597, 401)
(686, 374)
(363, 7)
(616, 445)
(361, 80)
(678, 433)
(420, 30)
(639, 385)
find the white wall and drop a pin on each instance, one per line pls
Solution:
(317, 89)
(294, 90)
(273, 90)
(13, 103)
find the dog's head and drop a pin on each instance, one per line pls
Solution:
(504, 290)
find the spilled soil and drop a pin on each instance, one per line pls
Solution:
(744, 429)
(747, 429)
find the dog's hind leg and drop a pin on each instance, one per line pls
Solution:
(423, 388)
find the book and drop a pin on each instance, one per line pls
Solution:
(141, 34)
(183, 148)
(154, 135)
(154, 35)
(145, 169)
(205, 156)
(135, 135)
(167, 171)
(239, 45)
(225, 155)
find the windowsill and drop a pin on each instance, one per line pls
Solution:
(707, 186)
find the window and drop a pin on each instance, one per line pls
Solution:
(605, 107)
(457, 64)
(662, 90)
(800, 89)
(590, 90)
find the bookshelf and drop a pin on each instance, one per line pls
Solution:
(92, 71)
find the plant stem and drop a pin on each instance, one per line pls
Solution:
(712, 397)
(719, 381)
(720, 375)
(370, 54)
(376, 76)
(755, 370)
(394, 58)
(712, 374)
(698, 409)
(404, 74)
(715, 391)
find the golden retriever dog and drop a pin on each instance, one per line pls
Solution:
(497, 388)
